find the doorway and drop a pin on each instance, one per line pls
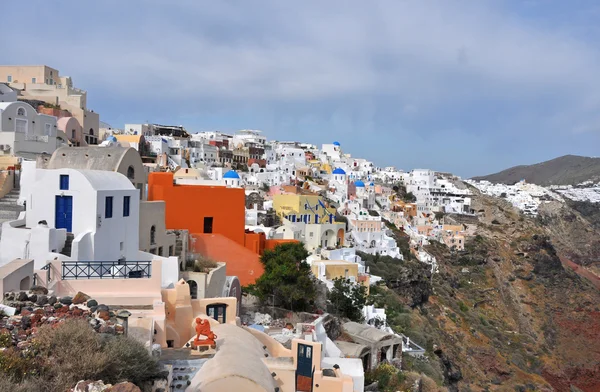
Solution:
(63, 208)
(304, 368)
(208, 224)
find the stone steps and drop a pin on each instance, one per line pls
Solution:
(183, 372)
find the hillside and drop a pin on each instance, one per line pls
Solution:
(565, 170)
(497, 316)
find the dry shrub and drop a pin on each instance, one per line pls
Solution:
(204, 264)
(72, 351)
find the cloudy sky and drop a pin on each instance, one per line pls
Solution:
(470, 87)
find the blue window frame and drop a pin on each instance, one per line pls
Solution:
(108, 205)
(126, 200)
(64, 182)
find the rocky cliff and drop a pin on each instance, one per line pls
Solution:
(517, 309)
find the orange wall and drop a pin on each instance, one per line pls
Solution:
(187, 205)
(241, 261)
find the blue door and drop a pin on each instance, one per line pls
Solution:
(304, 368)
(63, 218)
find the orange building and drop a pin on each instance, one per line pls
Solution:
(215, 216)
(200, 209)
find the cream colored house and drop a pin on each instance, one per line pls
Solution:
(45, 84)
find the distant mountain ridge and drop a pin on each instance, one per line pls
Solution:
(565, 170)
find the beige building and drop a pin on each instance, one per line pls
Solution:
(154, 237)
(44, 83)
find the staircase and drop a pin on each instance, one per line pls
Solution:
(184, 370)
(66, 250)
(9, 209)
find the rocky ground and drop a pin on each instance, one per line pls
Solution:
(506, 314)
(35, 308)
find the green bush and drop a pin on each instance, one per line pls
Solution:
(463, 307)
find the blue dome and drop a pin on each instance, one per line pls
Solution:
(339, 171)
(231, 174)
(372, 184)
(336, 143)
(111, 138)
(360, 184)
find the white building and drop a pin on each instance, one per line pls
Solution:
(25, 133)
(99, 208)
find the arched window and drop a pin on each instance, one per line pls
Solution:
(153, 235)
(21, 112)
(130, 172)
(92, 131)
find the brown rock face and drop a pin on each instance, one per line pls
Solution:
(81, 298)
(124, 387)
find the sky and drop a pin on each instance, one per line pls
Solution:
(469, 87)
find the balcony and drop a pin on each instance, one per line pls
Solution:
(106, 270)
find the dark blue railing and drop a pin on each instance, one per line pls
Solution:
(106, 269)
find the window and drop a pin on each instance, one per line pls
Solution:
(21, 112)
(21, 125)
(64, 182)
(160, 251)
(171, 250)
(126, 201)
(153, 235)
(48, 129)
(108, 205)
(131, 172)
(9, 78)
(73, 134)
(33, 80)
(121, 246)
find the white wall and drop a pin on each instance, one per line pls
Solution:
(89, 210)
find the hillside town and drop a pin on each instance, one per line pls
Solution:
(170, 229)
(104, 212)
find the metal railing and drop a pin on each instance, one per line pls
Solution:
(106, 270)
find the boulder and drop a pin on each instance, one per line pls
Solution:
(52, 300)
(92, 303)
(124, 387)
(22, 296)
(103, 314)
(33, 298)
(10, 296)
(58, 305)
(67, 300)
(42, 300)
(80, 298)
(38, 290)
(102, 307)
(91, 386)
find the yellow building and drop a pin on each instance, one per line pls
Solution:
(336, 269)
(303, 208)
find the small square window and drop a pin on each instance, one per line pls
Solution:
(9, 78)
(64, 182)
(108, 207)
